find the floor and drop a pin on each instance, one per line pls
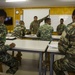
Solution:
(29, 64)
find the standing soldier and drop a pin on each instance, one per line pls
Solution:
(66, 45)
(36, 24)
(6, 58)
(19, 30)
(61, 27)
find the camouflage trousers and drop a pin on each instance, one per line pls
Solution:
(10, 61)
(62, 65)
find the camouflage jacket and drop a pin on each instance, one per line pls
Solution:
(45, 32)
(3, 33)
(60, 28)
(67, 42)
(35, 25)
(19, 31)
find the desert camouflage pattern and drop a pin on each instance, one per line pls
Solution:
(66, 45)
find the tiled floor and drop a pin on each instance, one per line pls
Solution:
(29, 64)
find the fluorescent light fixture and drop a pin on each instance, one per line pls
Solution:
(15, 0)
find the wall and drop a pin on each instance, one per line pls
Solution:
(53, 11)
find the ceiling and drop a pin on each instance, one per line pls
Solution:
(38, 3)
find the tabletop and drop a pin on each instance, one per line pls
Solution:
(34, 45)
(53, 47)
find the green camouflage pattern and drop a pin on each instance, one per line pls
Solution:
(60, 28)
(3, 33)
(66, 45)
(6, 58)
(19, 31)
(45, 32)
(35, 25)
(69, 24)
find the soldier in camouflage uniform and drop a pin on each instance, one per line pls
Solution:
(61, 27)
(45, 31)
(66, 45)
(36, 24)
(73, 19)
(6, 58)
(19, 30)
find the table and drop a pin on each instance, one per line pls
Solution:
(31, 36)
(56, 37)
(34, 36)
(53, 49)
(35, 46)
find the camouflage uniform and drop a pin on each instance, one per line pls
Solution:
(19, 31)
(60, 28)
(69, 24)
(4, 56)
(45, 32)
(66, 45)
(35, 25)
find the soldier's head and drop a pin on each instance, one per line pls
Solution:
(35, 18)
(61, 21)
(48, 21)
(21, 22)
(73, 15)
(3, 15)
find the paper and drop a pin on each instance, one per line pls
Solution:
(53, 45)
(10, 38)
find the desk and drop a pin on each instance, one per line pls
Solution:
(32, 36)
(56, 37)
(35, 46)
(53, 51)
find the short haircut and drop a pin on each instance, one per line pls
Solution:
(73, 13)
(62, 19)
(35, 17)
(47, 19)
(3, 13)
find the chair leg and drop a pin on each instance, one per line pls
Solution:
(18, 56)
(1, 69)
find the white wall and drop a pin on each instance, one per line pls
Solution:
(28, 15)
(55, 20)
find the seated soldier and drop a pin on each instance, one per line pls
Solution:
(45, 31)
(19, 30)
(66, 45)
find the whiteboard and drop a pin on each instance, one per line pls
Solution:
(55, 20)
(28, 15)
